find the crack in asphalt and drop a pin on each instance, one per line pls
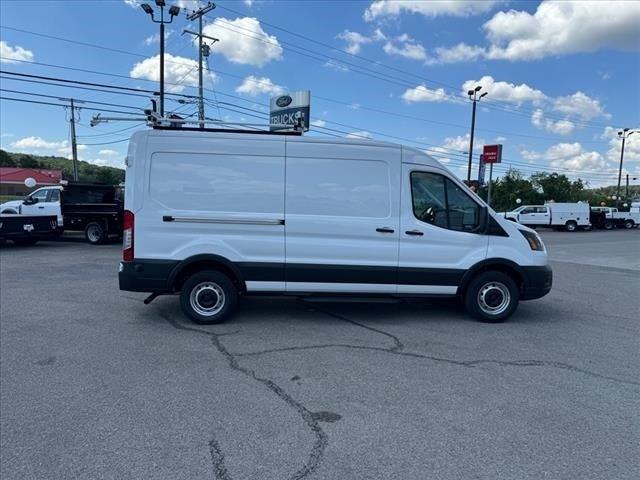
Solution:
(309, 417)
(399, 346)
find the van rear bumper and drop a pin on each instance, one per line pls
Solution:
(146, 276)
(537, 282)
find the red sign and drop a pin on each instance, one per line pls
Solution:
(492, 153)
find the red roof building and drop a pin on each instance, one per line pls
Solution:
(12, 179)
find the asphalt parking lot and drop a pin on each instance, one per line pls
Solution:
(94, 384)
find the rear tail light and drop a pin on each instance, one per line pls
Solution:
(127, 236)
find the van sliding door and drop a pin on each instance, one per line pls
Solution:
(341, 214)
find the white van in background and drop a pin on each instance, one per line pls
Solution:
(217, 215)
(570, 216)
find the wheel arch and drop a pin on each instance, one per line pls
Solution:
(198, 263)
(497, 264)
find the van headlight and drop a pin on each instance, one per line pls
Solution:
(534, 240)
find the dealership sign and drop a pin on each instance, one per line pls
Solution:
(290, 110)
(492, 153)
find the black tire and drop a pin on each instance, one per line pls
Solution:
(496, 286)
(94, 233)
(629, 224)
(571, 226)
(214, 287)
(608, 225)
(24, 242)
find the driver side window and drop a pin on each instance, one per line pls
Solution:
(41, 195)
(440, 202)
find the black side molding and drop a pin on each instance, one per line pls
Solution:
(167, 218)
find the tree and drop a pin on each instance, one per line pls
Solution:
(507, 189)
(6, 160)
(27, 161)
(558, 187)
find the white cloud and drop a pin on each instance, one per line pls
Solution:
(456, 8)
(555, 28)
(631, 148)
(132, 3)
(40, 146)
(248, 3)
(9, 54)
(504, 91)
(355, 40)
(254, 86)
(155, 38)
(573, 156)
(405, 46)
(561, 127)
(360, 135)
(421, 93)
(38, 143)
(563, 27)
(530, 155)
(318, 123)
(336, 66)
(458, 53)
(180, 71)
(243, 41)
(580, 105)
(108, 153)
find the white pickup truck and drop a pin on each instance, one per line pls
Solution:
(627, 220)
(569, 216)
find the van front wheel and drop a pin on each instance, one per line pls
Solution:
(491, 297)
(208, 297)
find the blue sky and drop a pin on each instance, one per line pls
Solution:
(562, 77)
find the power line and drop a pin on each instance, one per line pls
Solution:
(62, 105)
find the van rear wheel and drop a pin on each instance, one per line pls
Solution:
(491, 297)
(208, 297)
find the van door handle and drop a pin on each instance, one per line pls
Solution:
(385, 230)
(414, 232)
(40, 207)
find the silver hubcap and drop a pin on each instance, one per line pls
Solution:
(494, 298)
(93, 233)
(207, 299)
(571, 227)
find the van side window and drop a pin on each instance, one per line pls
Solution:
(41, 195)
(440, 202)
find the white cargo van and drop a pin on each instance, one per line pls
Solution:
(218, 215)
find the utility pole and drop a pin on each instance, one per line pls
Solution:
(173, 11)
(627, 189)
(74, 142)
(74, 145)
(203, 51)
(623, 134)
(473, 96)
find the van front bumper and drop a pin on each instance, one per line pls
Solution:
(145, 276)
(537, 282)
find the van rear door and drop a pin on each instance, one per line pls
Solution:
(342, 203)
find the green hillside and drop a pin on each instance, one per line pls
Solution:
(87, 172)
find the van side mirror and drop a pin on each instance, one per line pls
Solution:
(30, 200)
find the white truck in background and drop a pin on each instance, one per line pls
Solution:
(614, 217)
(570, 216)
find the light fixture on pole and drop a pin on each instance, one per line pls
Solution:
(473, 96)
(623, 134)
(173, 12)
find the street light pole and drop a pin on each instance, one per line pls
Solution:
(173, 11)
(473, 96)
(624, 134)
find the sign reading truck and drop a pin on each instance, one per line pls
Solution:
(287, 111)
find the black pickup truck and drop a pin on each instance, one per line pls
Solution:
(27, 229)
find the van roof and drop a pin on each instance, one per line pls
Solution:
(423, 157)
